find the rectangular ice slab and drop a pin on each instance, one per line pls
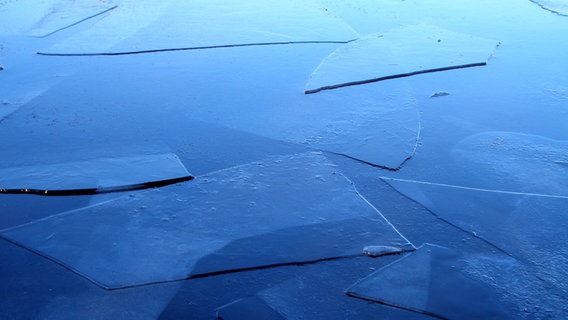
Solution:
(287, 209)
(65, 14)
(195, 24)
(103, 175)
(432, 281)
(397, 53)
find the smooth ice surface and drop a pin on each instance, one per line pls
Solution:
(286, 209)
(248, 308)
(19, 16)
(67, 13)
(525, 226)
(399, 52)
(514, 161)
(105, 173)
(431, 280)
(191, 24)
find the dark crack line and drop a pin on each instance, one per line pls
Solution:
(450, 223)
(192, 48)
(92, 191)
(396, 76)
(548, 9)
(76, 23)
(373, 164)
(407, 308)
(237, 270)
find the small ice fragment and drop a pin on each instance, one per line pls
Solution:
(439, 94)
(377, 251)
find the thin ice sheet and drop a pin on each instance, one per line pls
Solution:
(399, 52)
(431, 281)
(65, 14)
(196, 24)
(287, 209)
(98, 174)
(522, 225)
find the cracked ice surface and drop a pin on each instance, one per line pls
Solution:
(399, 52)
(381, 127)
(523, 225)
(432, 281)
(243, 217)
(192, 24)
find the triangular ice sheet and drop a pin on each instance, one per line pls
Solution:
(400, 52)
(287, 209)
(432, 281)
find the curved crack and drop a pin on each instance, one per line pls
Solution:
(92, 191)
(548, 9)
(190, 48)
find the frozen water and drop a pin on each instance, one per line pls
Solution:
(98, 175)
(514, 161)
(19, 16)
(560, 7)
(244, 217)
(193, 24)
(316, 292)
(160, 98)
(432, 281)
(65, 14)
(220, 108)
(248, 308)
(523, 225)
(399, 52)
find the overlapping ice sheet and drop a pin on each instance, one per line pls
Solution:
(432, 281)
(64, 14)
(287, 209)
(104, 174)
(399, 52)
(529, 227)
(317, 292)
(191, 24)
(378, 123)
(514, 161)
